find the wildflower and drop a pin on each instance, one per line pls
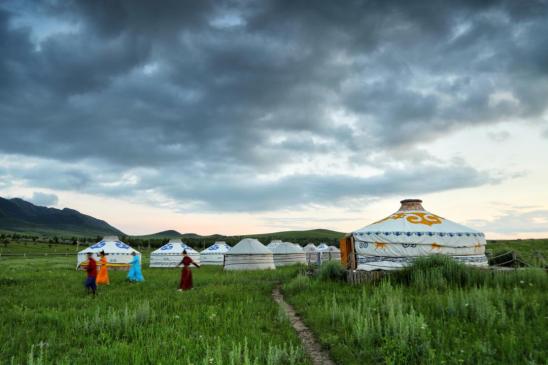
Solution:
(522, 282)
(176, 317)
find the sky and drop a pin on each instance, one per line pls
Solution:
(247, 117)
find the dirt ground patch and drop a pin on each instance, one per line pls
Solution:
(318, 355)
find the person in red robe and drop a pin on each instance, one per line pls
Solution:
(186, 273)
(91, 269)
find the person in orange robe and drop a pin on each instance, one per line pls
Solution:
(186, 273)
(102, 276)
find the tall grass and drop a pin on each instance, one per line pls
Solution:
(434, 312)
(442, 272)
(229, 318)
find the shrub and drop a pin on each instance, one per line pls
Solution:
(332, 270)
(298, 283)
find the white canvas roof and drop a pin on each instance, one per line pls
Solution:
(273, 243)
(217, 247)
(287, 247)
(117, 251)
(323, 246)
(412, 231)
(310, 248)
(249, 246)
(249, 254)
(175, 246)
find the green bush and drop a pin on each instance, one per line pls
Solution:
(332, 270)
(443, 272)
(298, 283)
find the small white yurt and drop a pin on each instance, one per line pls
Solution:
(214, 254)
(330, 253)
(273, 244)
(118, 252)
(249, 254)
(395, 241)
(171, 254)
(312, 254)
(286, 253)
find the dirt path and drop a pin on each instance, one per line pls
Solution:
(313, 348)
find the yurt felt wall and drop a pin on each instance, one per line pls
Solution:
(171, 254)
(214, 254)
(287, 253)
(118, 253)
(249, 254)
(395, 241)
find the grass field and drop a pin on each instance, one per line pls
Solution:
(229, 318)
(435, 314)
(438, 314)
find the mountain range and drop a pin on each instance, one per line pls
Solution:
(18, 215)
(22, 216)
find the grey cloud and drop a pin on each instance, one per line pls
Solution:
(165, 89)
(202, 191)
(44, 199)
(295, 191)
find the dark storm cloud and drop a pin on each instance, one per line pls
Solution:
(231, 192)
(221, 91)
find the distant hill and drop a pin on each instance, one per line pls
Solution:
(161, 235)
(18, 215)
(313, 234)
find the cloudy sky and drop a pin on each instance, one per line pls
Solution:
(256, 116)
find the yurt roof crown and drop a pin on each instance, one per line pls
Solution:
(249, 246)
(410, 204)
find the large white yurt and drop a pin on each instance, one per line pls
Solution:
(118, 252)
(411, 232)
(311, 253)
(249, 254)
(214, 254)
(286, 253)
(171, 254)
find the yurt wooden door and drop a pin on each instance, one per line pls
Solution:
(347, 252)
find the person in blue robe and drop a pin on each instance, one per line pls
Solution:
(135, 275)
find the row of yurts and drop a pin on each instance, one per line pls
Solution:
(388, 244)
(248, 254)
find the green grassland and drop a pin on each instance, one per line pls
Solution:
(229, 318)
(433, 313)
(533, 251)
